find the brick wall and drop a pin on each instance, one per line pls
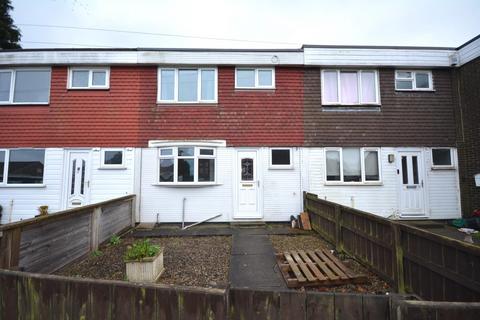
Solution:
(127, 114)
(242, 117)
(404, 119)
(468, 128)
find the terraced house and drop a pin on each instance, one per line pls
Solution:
(235, 134)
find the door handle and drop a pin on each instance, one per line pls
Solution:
(258, 183)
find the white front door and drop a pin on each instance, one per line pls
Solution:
(248, 186)
(78, 186)
(412, 202)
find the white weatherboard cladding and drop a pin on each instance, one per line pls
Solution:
(377, 199)
(111, 183)
(443, 191)
(377, 57)
(22, 202)
(469, 52)
(441, 187)
(201, 202)
(157, 57)
(282, 194)
(280, 190)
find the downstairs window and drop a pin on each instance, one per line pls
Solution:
(352, 165)
(22, 166)
(186, 165)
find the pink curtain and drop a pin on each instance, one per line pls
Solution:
(330, 86)
(349, 87)
(368, 87)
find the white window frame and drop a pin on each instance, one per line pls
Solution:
(362, 167)
(359, 86)
(4, 183)
(281, 166)
(90, 85)
(196, 156)
(199, 85)
(257, 84)
(439, 167)
(103, 165)
(414, 80)
(12, 86)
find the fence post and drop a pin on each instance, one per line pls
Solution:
(338, 229)
(10, 249)
(95, 218)
(398, 258)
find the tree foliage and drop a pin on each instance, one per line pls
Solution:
(9, 33)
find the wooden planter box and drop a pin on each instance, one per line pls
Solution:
(145, 270)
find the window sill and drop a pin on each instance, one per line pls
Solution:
(112, 168)
(255, 89)
(23, 185)
(434, 168)
(186, 185)
(280, 167)
(415, 90)
(186, 103)
(353, 183)
(350, 108)
(8, 104)
(88, 89)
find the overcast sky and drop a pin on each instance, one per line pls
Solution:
(273, 23)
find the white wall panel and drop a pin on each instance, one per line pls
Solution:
(107, 184)
(378, 199)
(443, 191)
(282, 193)
(22, 203)
(201, 202)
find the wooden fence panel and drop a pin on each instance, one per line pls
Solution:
(414, 260)
(115, 217)
(46, 244)
(50, 245)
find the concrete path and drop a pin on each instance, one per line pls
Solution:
(252, 263)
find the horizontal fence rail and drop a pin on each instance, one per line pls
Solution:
(411, 259)
(48, 243)
(38, 296)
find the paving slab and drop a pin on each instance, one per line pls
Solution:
(253, 264)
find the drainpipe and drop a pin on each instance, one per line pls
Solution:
(183, 212)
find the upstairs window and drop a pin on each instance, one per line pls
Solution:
(22, 166)
(442, 158)
(350, 87)
(413, 80)
(89, 78)
(24, 86)
(255, 78)
(187, 85)
(352, 165)
(187, 165)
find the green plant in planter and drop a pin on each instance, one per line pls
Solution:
(141, 249)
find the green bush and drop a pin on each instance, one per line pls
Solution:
(141, 249)
(115, 240)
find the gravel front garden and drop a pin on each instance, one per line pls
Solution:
(311, 242)
(189, 261)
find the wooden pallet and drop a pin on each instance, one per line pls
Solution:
(315, 268)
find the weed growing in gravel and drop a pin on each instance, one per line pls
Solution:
(115, 240)
(141, 249)
(97, 253)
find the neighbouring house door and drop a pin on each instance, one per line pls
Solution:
(78, 186)
(248, 186)
(412, 203)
